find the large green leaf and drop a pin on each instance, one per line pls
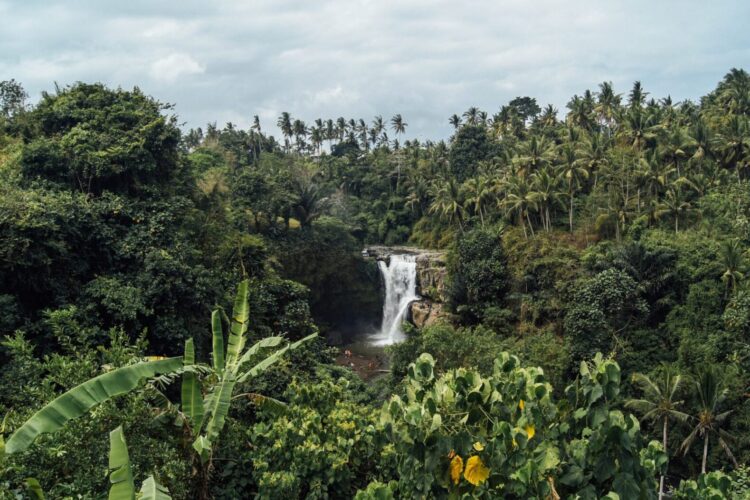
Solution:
(192, 399)
(32, 484)
(120, 474)
(220, 402)
(273, 358)
(81, 398)
(240, 320)
(151, 490)
(266, 343)
(218, 340)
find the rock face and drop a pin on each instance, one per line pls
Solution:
(431, 276)
(425, 312)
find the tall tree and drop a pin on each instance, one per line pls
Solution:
(660, 404)
(709, 419)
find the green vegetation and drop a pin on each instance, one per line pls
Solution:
(595, 340)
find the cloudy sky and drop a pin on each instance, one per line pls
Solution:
(228, 60)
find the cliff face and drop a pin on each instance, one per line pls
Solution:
(431, 277)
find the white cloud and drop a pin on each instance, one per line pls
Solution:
(170, 68)
(425, 59)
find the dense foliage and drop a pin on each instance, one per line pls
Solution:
(594, 340)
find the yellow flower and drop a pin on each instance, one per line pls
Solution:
(478, 446)
(456, 467)
(530, 431)
(521, 404)
(476, 472)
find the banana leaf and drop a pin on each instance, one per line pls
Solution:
(240, 320)
(273, 358)
(82, 398)
(120, 475)
(32, 484)
(218, 341)
(192, 399)
(151, 490)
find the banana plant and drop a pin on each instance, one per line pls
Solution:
(121, 475)
(231, 365)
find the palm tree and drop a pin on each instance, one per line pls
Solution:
(330, 132)
(637, 96)
(546, 191)
(709, 420)
(735, 145)
(472, 115)
(675, 205)
(548, 118)
(731, 258)
(573, 173)
(447, 201)
(477, 191)
(362, 131)
(534, 154)
(519, 199)
(285, 124)
(455, 120)
(316, 138)
(581, 111)
(593, 155)
(659, 404)
(299, 129)
(639, 127)
(398, 124)
(608, 105)
(340, 128)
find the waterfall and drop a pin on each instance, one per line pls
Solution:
(400, 279)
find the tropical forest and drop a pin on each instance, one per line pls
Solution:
(549, 303)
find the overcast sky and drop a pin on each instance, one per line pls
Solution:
(228, 60)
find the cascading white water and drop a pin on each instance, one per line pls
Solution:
(400, 278)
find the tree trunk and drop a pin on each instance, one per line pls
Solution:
(570, 211)
(705, 452)
(530, 226)
(676, 224)
(664, 443)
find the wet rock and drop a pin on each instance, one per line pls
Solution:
(426, 313)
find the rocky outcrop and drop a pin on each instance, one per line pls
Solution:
(425, 312)
(431, 281)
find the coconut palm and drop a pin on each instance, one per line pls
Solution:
(676, 205)
(593, 154)
(548, 118)
(546, 191)
(573, 174)
(608, 105)
(735, 145)
(519, 199)
(730, 255)
(447, 201)
(639, 127)
(398, 125)
(637, 95)
(285, 124)
(472, 115)
(477, 193)
(534, 154)
(455, 120)
(660, 404)
(709, 419)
